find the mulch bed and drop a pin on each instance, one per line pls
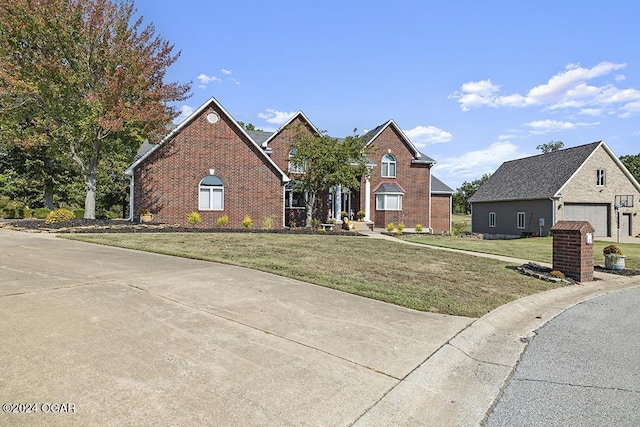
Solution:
(123, 226)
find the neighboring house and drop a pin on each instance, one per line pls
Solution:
(528, 196)
(211, 165)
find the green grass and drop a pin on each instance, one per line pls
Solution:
(419, 278)
(535, 249)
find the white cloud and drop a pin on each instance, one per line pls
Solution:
(566, 90)
(546, 126)
(473, 164)
(423, 135)
(185, 111)
(205, 80)
(225, 72)
(275, 116)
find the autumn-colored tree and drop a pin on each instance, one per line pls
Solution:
(85, 76)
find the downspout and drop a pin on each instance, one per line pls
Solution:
(131, 198)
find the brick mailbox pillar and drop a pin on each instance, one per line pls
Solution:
(573, 249)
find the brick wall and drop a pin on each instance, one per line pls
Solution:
(167, 181)
(440, 213)
(571, 254)
(413, 178)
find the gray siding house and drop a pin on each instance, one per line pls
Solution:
(528, 196)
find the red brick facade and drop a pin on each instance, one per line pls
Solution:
(411, 177)
(572, 253)
(167, 181)
(167, 178)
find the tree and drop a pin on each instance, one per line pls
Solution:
(632, 163)
(85, 76)
(249, 126)
(461, 196)
(550, 146)
(327, 162)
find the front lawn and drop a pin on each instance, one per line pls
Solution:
(534, 249)
(419, 278)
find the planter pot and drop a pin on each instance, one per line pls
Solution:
(614, 262)
(146, 218)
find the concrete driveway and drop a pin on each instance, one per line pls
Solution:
(92, 335)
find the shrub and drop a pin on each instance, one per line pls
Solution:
(458, 228)
(9, 213)
(315, 223)
(398, 232)
(612, 249)
(418, 228)
(247, 222)
(322, 231)
(78, 213)
(390, 227)
(41, 213)
(267, 223)
(194, 218)
(59, 215)
(361, 214)
(343, 214)
(222, 221)
(400, 227)
(557, 273)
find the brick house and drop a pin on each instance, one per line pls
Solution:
(583, 183)
(211, 165)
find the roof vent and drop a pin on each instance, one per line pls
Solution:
(212, 118)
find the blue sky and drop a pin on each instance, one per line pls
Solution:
(472, 84)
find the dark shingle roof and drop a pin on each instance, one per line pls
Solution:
(535, 177)
(440, 187)
(388, 187)
(259, 136)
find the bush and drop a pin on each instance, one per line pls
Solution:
(41, 213)
(361, 214)
(458, 228)
(418, 228)
(315, 223)
(59, 215)
(247, 222)
(267, 223)
(9, 213)
(194, 218)
(558, 274)
(222, 221)
(400, 227)
(78, 213)
(322, 231)
(390, 227)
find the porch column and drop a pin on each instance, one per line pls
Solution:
(338, 203)
(367, 200)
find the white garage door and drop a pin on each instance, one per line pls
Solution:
(597, 215)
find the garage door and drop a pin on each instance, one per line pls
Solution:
(597, 215)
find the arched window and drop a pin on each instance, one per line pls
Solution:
(211, 194)
(294, 167)
(388, 166)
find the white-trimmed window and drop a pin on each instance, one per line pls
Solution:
(492, 219)
(389, 202)
(293, 199)
(294, 167)
(600, 178)
(521, 220)
(388, 166)
(211, 194)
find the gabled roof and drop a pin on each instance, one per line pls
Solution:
(389, 187)
(539, 177)
(300, 114)
(439, 187)
(418, 157)
(187, 121)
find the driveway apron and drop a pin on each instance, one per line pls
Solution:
(93, 335)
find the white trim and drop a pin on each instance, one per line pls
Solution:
(265, 144)
(524, 220)
(416, 153)
(187, 121)
(367, 199)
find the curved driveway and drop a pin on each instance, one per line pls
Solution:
(581, 369)
(134, 338)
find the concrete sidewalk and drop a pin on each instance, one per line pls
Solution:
(137, 338)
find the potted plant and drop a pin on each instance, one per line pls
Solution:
(146, 215)
(613, 258)
(360, 215)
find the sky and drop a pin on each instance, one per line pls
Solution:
(472, 84)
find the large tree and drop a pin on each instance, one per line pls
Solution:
(86, 76)
(633, 164)
(327, 162)
(550, 146)
(463, 193)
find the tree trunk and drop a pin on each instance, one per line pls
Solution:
(311, 202)
(90, 197)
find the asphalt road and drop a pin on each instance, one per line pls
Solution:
(581, 369)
